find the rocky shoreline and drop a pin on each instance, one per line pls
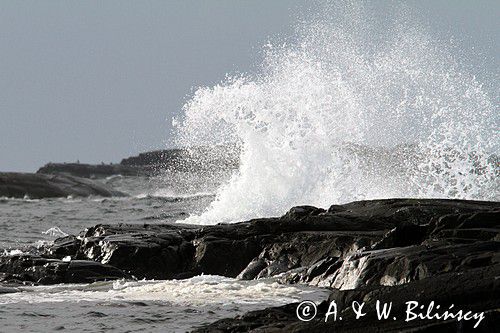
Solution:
(55, 180)
(153, 163)
(397, 250)
(38, 186)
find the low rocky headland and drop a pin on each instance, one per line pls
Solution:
(394, 250)
(152, 163)
(55, 180)
(39, 185)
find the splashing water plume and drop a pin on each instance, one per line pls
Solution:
(352, 109)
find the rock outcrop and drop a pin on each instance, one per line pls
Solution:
(153, 163)
(36, 186)
(395, 249)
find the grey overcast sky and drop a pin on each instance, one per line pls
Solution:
(100, 80)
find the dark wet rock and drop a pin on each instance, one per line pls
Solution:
(381, 242)
(373, 242)
(401, 265)
(144, 251)
(64, 246)
(393, 249)
(253, 269)
(227, 257)
(36, 186)
(41, 270)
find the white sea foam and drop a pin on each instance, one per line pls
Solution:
(353, 108)
(55, 232)
(205, 290)
(14, 252)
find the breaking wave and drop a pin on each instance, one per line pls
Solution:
(353, 107)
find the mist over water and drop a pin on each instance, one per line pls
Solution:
(357, 106)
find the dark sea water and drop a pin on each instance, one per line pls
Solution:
(123, 306)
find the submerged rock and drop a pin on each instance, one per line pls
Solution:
(36, 186)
